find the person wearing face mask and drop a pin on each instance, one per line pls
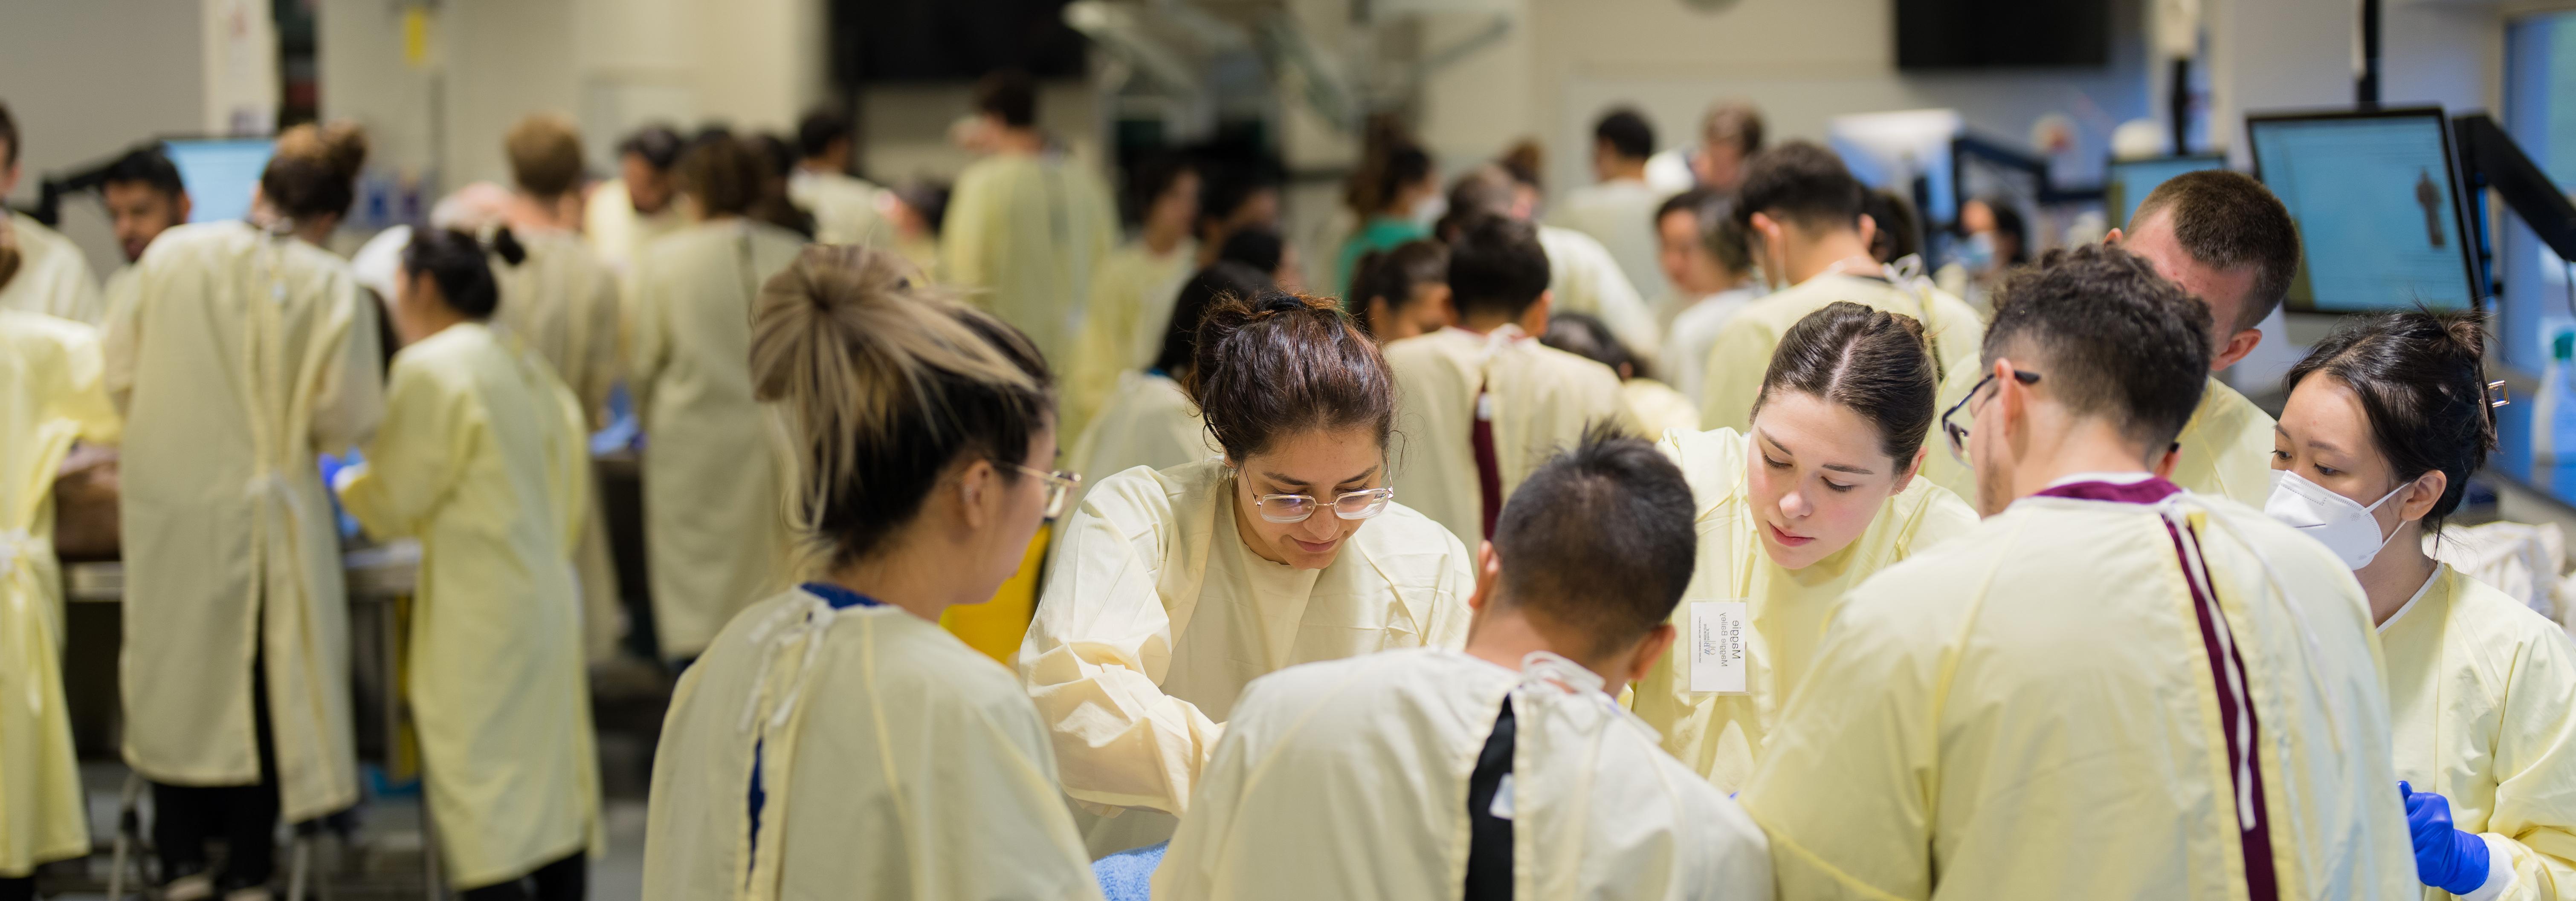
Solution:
(2386, 421)
(483, 457)
(1992, 239)
(235, 668)
(50, 397)
(834, 741)
(1394, 185)
(2221, 237)
(1817, 496)
(1484, 402)
(1170, 590)
(2110, 687)
(1802, 214)
(1350, 778)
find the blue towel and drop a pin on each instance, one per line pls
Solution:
(1129, 875)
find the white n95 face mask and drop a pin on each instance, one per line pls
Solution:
(2346, 527)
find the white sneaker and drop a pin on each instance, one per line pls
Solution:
(196, 887)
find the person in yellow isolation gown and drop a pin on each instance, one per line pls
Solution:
(561, 302)
(2386, 421)
(144, 197)
(834, 741)
(1819, 495)
(1132, 294)
(53, 277)
(845, 207)
(1027, 228)
(2225, 239)
(246, 350)
(622, 217)
(483, 457)
(1618, 209)
(1582, 275)
(1403, 291)
(1802, 214)
(1482, 403)
(714, 536)
(1711, 269)
(1152, 421)
(2111, 687)
(1649, 408)
(1169, 590)
(51, 395)
(1505, 770)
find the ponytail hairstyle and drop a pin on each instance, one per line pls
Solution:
(457, 263)
(2421, 378)
(1869, 360)
(1223, 281)
(314, 171)
(885, 383)
(1277, 365)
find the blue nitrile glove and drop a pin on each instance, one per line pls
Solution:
(2445, 858)
(331, 466)
(1129, 875)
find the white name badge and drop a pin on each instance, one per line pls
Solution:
(1717, 646)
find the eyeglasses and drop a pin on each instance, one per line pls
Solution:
(1060, 486)
(1288, 508)
(1958, 434)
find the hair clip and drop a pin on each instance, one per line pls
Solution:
(2501, 394)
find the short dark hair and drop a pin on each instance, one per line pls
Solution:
(1585, 335)
(1801, 182)
(2421, 378)
(724, 175)
(1225, 186)
(2228, 220)
(1009, 95)
(1254, 246)
(1627, 132)
(1899, 233)
(1719, 232)
(1393, 273)
(1151, 179)
(1482, 191)
(2115, 339)
(1496, 265)
(1868, 360)
(459, 265)
(1737, 122)
(1273, 366)
(1222, 281)
(1610, 498)
(146, 165)
(8, 135)
(820, 129)
(659, 145)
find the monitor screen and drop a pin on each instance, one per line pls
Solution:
(219, 173)
(2377, 204)
(2126, 183)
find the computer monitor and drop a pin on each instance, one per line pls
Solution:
(2376, 197)
(2126, 183)
(219, 173)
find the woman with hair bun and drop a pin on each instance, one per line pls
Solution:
(834, 741)
(483, 458)
(244, 350)
(1169, 590)
(713, 534)
(2386, 421)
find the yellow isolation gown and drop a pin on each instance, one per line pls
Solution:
(1349, 779)
(241, 355)
(844, 208)
(1025, 234)
(893, 762)
(1150, 422)
(1584, 278)
(482, 458)
(2478, 689)
(714, 532)
(1741, 354)
(1540, 400)
(53, 277)
(1654, 408)
(1122, 331)
(561, 302)
(50, 395)
(2226, 447)
(1156, 614)
(1721, 735)
(617, 232)
(2031, 710)
(1620, 213)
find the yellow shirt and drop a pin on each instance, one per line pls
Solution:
(1122, 330)
(1025, 234)
(1654, 408)
(1540, 399)
(2478, 689)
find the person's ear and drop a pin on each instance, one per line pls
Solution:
(2421, 495)
(2165, 462)
(1442, 306)
(1380, 316)
(1656, 644)
(1765, 226)
(1489, 573)
(2113, 237)
(182, 210)
(1905, 476)
(978, 495)
(1868, 226)
(1534, 319)
(2237, 346)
